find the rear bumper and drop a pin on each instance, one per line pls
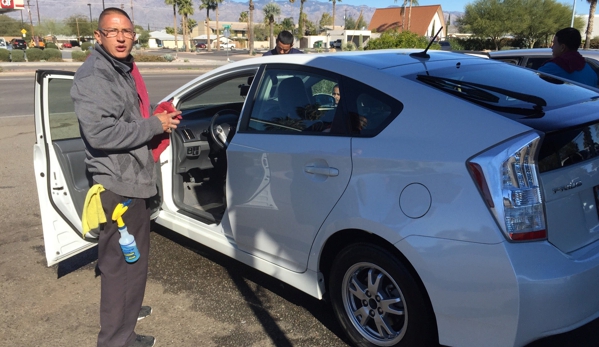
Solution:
(505, 294)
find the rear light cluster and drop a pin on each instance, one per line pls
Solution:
(508, 178)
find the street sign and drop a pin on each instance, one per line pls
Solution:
(23, 31)
(227, 33)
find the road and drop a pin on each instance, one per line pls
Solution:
(200, 298)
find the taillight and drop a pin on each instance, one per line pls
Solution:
(508, 178)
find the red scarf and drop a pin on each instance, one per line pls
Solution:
(570, 61)
(159, 142)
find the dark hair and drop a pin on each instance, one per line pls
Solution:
(285, 37)
(112, 10)
(569, 37)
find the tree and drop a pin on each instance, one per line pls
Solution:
(79, 25)
(538, 19)
(334, 3)
(325, 20)
(412, 2)
(185, 10)
(301, 19)
(394, 39)
(216, 4)
(175, 3)
(589, 32)
(243, 17)
(51, 27)
(251, 27)
(207, 5)
(488, 19)
(271, 10)
(288, 24)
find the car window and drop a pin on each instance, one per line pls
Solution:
(230, 91)
(536, 63)
(61, 110)
(292, 101)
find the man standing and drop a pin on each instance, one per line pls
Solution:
(284, 45)
(111, 104)
(567, 62)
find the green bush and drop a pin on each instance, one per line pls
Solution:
(34, 54)
(17, 56)
(85, 46)
(4, 54)
(51, 45)
(52, 54)
(79, 55)
(393, 39)
(148, 58)
(168, 57)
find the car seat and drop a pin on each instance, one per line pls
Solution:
(293, 98)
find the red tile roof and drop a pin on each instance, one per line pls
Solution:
(385, 19)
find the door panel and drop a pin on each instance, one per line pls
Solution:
(61, 178)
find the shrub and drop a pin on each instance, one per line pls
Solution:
(393, 39)
(148, 58)
(85, 46)
(52, 54)
(17, 56)
(34, 54)
(51, 45)
(169, 57)
(349, 46)
(80, 56)
(4, 55)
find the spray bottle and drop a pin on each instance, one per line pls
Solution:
(127, 241)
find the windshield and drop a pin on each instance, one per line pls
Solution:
(505, 88)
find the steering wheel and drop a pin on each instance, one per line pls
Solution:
(221, 130)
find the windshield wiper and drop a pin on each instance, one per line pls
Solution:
(480, 94)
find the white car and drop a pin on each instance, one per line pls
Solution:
(447, 199)
(229, 45)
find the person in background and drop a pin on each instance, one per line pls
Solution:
(567, 61)
(113, 109)
(336, 94)
(284, 45)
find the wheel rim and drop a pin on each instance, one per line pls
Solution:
(374, 304)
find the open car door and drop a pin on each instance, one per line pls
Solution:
(58, 157)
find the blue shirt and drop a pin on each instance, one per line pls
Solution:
(586, 75)
(275, 52)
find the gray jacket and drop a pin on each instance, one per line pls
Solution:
(116, 135)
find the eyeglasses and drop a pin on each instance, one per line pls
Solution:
(109, 33)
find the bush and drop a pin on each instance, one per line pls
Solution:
(80, 56)
(17, 56)
(4, 55)
(52, 54)
(85, 46)
(393, 39)
(169, 57)
(51, 45)
(349, 46)
(148, 58)
(34, 54)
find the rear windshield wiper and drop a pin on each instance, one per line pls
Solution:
(480, 94)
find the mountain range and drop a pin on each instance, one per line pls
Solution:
(156, 15)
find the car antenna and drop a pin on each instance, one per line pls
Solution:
(423, 54)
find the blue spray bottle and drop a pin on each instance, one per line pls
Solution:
(127, 241)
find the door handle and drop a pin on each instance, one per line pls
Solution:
(326, 171)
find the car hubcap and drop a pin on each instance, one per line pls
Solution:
(374, 304)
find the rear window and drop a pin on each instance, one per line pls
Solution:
(514, 92)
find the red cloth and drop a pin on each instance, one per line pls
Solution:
(159, 142)
(570, 61)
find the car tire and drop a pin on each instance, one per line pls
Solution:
(398, 304)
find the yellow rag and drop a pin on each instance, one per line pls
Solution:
(93, 213)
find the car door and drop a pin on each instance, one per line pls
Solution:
(287, 166)
(58, 154)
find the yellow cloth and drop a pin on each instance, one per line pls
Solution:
(93, 213)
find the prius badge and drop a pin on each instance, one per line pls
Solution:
(568, 186)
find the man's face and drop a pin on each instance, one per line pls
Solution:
(283, 48)
(120, 45)
(336, 95)
(556, 48)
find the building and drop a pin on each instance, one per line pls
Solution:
(424, 20)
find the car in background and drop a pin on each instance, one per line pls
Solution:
(3, 43)
(335, 44)
(200, 45)
(447, 199)
(224, 45)
(445, 45)
(18, 44)
(66, 45)
(535, 57)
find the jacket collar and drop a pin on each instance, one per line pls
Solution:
(123, 65)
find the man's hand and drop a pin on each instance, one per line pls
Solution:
(169, 120)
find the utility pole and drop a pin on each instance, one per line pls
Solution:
(38, 12)
(132, 16)
(103, 8)
(30, 20)
(573, 12)
(78, 35)
(91, 27)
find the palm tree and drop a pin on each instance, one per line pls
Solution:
(243, 17)
(334, 2)
(587, 39)
(271, 10)
(174, 3)
(301, 19)
(250, 27)
(415, 2)
(185, 9)
(208, 5)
